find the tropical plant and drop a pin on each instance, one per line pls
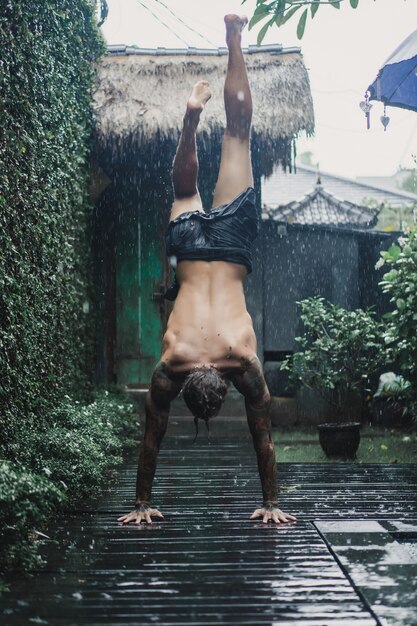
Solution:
(400, 283)
(278, 12)
(338, 352)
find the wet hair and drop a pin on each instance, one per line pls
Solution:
(204, 391)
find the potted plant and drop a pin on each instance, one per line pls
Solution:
(337, 353)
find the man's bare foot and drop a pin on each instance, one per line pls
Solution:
(200, 95)
(234, 25)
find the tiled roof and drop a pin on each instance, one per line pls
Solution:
(321, 207)
(283, 187)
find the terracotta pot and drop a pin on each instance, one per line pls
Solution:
(340, 440)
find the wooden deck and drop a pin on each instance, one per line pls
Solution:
(207, 563)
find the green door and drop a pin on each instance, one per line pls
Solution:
(140, 281)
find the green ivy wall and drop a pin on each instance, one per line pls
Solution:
(48, 52)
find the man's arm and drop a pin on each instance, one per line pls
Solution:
(252, 385)
(158, 399)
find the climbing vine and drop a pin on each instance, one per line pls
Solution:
(49, 48)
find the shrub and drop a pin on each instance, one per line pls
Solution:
(400, 283)
(338, 352)
(59, 464)
(26, 499)
(80, 443)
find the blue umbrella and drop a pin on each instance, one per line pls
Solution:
(396, 83)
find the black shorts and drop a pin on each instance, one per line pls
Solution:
(225, 233)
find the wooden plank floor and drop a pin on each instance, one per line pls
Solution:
(207, 563)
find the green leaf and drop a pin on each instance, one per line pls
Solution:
(285, 17)
(261, 12)
(354, 4)
(262, 33)
(335, 4)
(257, 18)
(394, 252)
(314, 8)
(280, 6)
(302, 24)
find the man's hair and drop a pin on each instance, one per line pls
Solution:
(203, 391)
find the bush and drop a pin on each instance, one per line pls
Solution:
(400, 283)
(80, 443)
(59, 464)
(26, 500)
(339, 351)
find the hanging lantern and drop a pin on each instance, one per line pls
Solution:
(366, 107)
(384, 119)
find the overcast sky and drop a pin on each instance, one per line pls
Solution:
(343, 50)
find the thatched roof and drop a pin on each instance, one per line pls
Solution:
(141, 94)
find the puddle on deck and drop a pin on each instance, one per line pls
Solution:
(380, 558)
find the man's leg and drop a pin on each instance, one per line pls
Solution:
(185, 166)
(235, 165)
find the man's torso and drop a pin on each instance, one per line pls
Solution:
(209, 324)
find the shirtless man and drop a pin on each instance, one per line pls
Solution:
(210, 338)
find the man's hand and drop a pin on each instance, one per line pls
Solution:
(271, 513)
(142, 513)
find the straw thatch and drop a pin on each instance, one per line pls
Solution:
(140, 98)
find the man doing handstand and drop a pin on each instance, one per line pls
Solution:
(210, 338)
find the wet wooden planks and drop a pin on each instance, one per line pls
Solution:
(207, 563)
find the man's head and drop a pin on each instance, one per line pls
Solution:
(203, 391)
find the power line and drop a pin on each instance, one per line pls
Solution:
(184, 23)
(158, 19)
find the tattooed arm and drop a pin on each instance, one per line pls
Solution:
(251, 384)
(158, 399)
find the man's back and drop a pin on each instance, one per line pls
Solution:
(209, 323)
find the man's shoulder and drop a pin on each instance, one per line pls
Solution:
(164, 371)
(164, 380)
